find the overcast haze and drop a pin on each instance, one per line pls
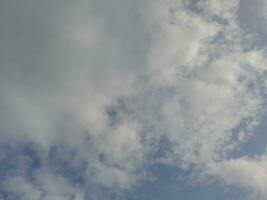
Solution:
(133, 100)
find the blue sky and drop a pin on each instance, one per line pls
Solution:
(133, 100)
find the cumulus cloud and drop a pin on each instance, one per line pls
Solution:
(245, 173)
(94, 86)
(47, 186)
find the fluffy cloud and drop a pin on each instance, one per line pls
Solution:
(98, 88)
(245, 173)
(48, 186)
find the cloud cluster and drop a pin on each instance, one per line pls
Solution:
(46, 186)
(96, 86)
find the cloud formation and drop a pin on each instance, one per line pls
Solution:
(93, 88)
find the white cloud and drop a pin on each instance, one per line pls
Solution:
(249, 174)
(47, 186)
(226, 10)
(24, 189)
(163, 69)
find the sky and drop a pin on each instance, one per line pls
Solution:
(133, 100)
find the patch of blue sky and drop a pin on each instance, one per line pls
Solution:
(170, 183)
